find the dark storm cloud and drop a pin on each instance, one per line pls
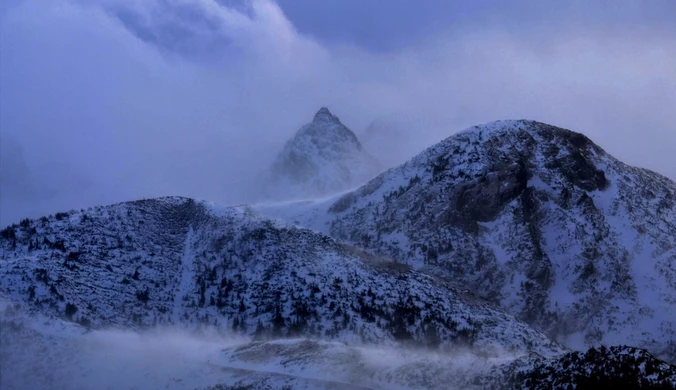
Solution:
(115, 100)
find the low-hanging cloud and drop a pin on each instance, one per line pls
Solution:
(115, 100)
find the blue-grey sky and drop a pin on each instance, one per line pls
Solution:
(390, 25)
(110, 100)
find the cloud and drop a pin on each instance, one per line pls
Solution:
(115, 100)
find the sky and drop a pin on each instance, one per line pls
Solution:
(103, 101)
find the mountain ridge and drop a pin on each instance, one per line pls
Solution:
(503, 241)
(535, 218)
(176, 261)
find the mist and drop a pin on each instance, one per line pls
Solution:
(60, 356)
(108, 101)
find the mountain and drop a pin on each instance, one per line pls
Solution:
(323, 157)
(537, 219)
(192, 265)
(42, 352)
(407, 282)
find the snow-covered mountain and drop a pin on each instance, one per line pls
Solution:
(180, 262)
(324, 157)
(537, 219)
(407, 282)
(42, 352)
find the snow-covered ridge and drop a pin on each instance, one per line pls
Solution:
(188, 264)
(535, 218)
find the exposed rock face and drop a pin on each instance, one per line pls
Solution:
(535, 218)
(597, 368)
(324, 157)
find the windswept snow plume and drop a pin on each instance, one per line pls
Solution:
(39, 352)
(45, 353)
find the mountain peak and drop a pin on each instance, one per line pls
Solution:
(501, 127)
(324, 115)
(543, 197)
(323, 157)
(510, 126)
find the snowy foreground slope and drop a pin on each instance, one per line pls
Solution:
(42, 352)
(535, 218)
(175, 261)
(179, 294)
(322, 158)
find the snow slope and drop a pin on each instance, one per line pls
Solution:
(189, 264)
(537, 219)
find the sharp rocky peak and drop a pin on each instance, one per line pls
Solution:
(323, 157)
(326, 130)
(324, 115)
